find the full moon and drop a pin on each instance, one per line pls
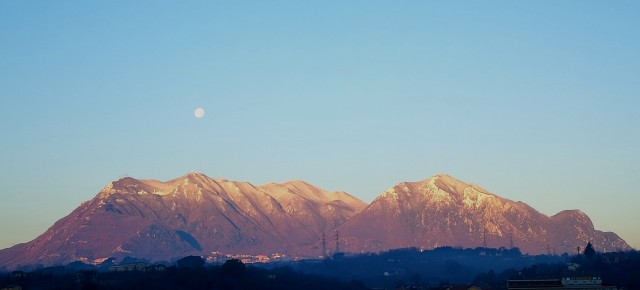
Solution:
(199, 113)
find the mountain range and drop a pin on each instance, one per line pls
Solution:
(199, 215)
(444, 211)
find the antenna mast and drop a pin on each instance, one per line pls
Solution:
(511, 238)
(484, 238)
(324, 246)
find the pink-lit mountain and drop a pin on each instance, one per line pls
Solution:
(444, 211)
(191, 215)
(198, 215)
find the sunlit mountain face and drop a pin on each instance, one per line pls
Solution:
(444, 211)
(191, 215)
(199, 215)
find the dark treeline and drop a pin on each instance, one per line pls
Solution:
(440, 267)
(433, 269)
(621, 269)
(233, 274)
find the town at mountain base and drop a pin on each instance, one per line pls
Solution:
(199, 215)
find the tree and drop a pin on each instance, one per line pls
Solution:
(234, 268)
(589, 251)
(190, 262)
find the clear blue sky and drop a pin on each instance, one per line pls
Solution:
(537, 101)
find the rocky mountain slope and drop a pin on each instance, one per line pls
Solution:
(198, 215)
(191, 215)
(443, 211)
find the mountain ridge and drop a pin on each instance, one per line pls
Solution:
(198, 215)
(444, 211)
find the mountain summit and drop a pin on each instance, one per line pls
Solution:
(190, 215)
(199, 215)
(444, 211)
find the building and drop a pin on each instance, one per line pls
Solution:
(131, 267)
(584, 283)
(571, 283)
(18, 274)
(534, 284)
(155, 268)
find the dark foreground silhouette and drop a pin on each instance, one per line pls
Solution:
(397, 269)
(231, 275)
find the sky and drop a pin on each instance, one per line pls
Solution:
(536, 101)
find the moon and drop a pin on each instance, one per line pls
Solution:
(199, 113)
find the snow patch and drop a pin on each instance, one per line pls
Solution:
(199, 194)
(474, 198)
(107, 190)
(161, 193)
(391, 192)
(121, 249)
(99, 261)
(440, 195)
(468, 202)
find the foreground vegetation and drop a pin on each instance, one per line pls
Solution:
(231, 275)
(621, 269)
(409, 268)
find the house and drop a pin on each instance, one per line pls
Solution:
(613, 258)
(18, 274)
(589, 283)
(458, 287)
(534, 284)
(131, 267)
(571, 283)
(83, 277)
(155, 268)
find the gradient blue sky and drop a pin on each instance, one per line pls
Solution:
(537, 101)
